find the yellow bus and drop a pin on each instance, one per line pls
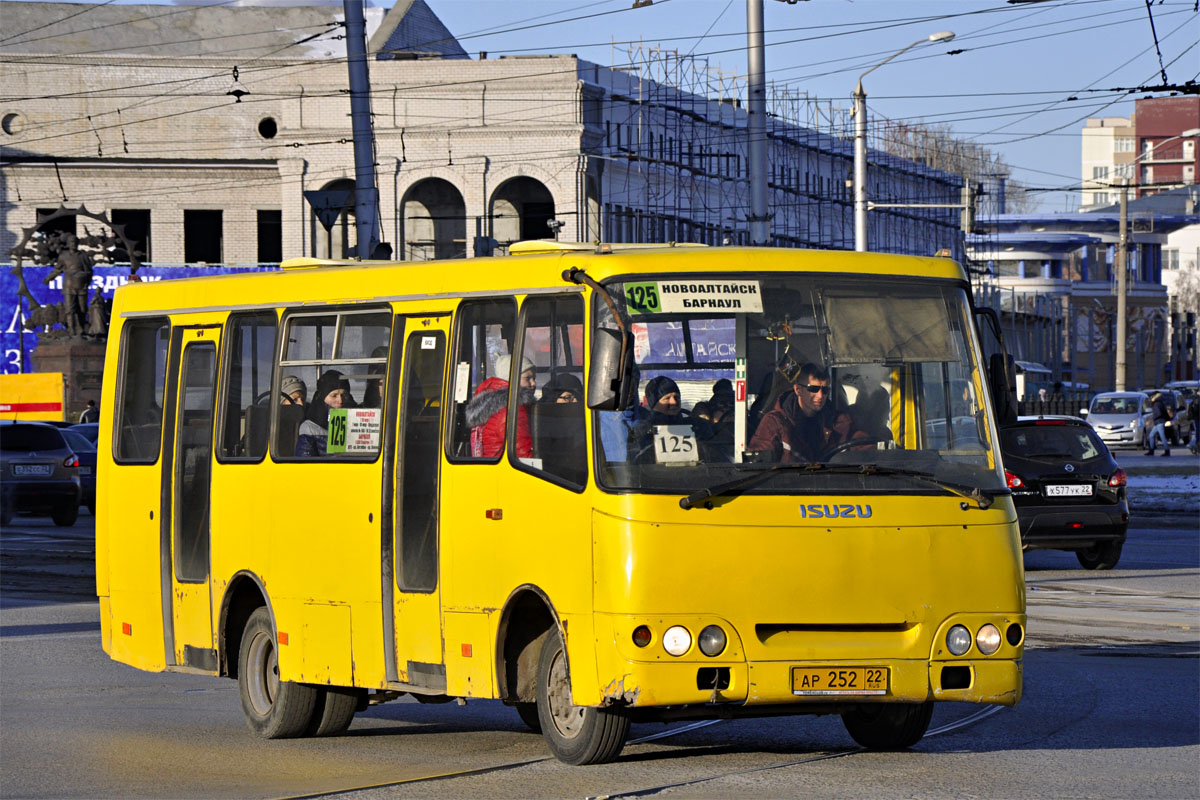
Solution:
(601, 484)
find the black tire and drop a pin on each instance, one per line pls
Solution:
(1102, 555)
(334, 711)
(528, 712)
(65, 516)
(576, 734)
(274, 709)
(888, 726)
(6, 514)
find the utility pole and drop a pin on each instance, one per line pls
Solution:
(757, 126)
(366, 196)
(860, 168)
(1122, 280)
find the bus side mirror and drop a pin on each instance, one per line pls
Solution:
(607, 388)
(1002, 380)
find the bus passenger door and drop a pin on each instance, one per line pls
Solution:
(185, 514)
(417, 633)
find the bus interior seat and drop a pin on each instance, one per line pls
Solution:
(557, 433)
(258, 426)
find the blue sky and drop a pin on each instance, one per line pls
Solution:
(1028, 76)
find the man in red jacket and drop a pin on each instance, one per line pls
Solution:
(800, 426)
(487, 412)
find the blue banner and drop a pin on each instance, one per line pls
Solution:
(18, 343)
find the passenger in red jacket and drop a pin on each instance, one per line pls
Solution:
(487, 411)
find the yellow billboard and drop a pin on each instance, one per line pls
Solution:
(35, 396)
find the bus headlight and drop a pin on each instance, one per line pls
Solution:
(958, 640)
(711, 641)
(677, 640)
(988, 639)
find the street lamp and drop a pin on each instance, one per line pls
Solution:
(860, 141)
(1122, 257)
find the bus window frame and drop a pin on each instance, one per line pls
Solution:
(339, 311)
(119, 395)
(224, 366)
(510, 433)
(451, 414)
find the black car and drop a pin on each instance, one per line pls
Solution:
(1068, 490)
(39, 473)
(86, 451)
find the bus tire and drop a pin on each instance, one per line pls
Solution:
(888, 726)
(274, 709)
(65, 516)
(576, 734)
(1102, 555)
(528, 712)
(334, 711)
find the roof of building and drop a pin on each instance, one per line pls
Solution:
(243, 31)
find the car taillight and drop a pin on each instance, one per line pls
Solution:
(1013, 481)
(1117, 478)
(71, 461)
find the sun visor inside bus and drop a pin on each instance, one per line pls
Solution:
(865, 330)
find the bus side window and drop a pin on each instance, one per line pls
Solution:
(484, 333)
(552, 340)
(247, 395)
(341, 359)
(140, 396)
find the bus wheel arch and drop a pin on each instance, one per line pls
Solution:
(243, 596)
(526, 622)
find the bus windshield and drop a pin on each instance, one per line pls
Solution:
(862, 383)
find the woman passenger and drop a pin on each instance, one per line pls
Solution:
(333, 391)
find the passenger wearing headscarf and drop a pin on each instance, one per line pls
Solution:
(333, 391)
(487, 411)
(563, 388)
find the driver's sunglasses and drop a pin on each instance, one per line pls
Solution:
(814, 388)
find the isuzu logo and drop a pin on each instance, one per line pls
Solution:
(823, 511)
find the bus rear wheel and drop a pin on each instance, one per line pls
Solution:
(274, 709)
(334, 711)
(576, 734)
(888, 726)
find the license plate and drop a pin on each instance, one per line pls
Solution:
(1076, 490)
(41, 470)
(85, 470)
(839, 680)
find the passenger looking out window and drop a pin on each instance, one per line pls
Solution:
(333, 391)
(487, 412)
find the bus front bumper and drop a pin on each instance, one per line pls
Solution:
(991, 681)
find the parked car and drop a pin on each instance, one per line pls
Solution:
(87, 466)
(1180, 429)
(1068, 490)
(88, 430)
(39, 473)
(1117, 418)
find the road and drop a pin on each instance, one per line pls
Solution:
(1111, 709)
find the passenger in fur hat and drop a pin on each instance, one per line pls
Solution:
(293, 391)
(487, 411)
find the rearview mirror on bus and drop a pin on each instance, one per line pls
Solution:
(607, 388)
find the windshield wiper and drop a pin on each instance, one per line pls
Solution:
(744, 482)
(972, 493)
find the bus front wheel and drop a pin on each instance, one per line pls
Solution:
(576, 734)
(274, 709)
(890, 726)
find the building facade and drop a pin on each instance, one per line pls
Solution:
(201, 129)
